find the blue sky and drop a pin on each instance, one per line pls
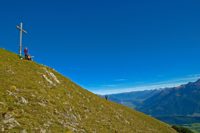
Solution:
(109, 46)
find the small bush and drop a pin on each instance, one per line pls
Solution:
(180, 129)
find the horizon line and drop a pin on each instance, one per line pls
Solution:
(151, 86)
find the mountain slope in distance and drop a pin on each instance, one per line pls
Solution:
(132, 99)
(177, 101)
(183, 100)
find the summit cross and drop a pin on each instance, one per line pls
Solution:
(21, 31)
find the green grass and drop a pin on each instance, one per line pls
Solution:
(60, 107)
(195, 127)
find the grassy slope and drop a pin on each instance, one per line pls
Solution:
(29, 102)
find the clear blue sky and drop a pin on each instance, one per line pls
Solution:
(109, 46)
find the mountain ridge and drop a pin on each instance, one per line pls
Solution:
(185, 99)
(175, 105)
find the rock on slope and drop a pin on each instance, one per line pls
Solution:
(35, 98)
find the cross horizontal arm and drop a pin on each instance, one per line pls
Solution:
(18, 27)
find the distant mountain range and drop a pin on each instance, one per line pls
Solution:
(177, 105)
(182, 100)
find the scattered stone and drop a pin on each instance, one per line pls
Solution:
(2, 103)
(24, 101)
(10, 121)
(23, 131)
(7, 116)
(42, 130)
(47, 125)
(52, 76)
(48, 80)
(32, 95)
(9, 70)
(9, 93)
(73, 117)
(56, 111)
(42, 104)
(2, 129)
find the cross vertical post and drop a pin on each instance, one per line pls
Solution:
(20, 40)
(21, 31)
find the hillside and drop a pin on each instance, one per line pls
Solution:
(35, 98)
